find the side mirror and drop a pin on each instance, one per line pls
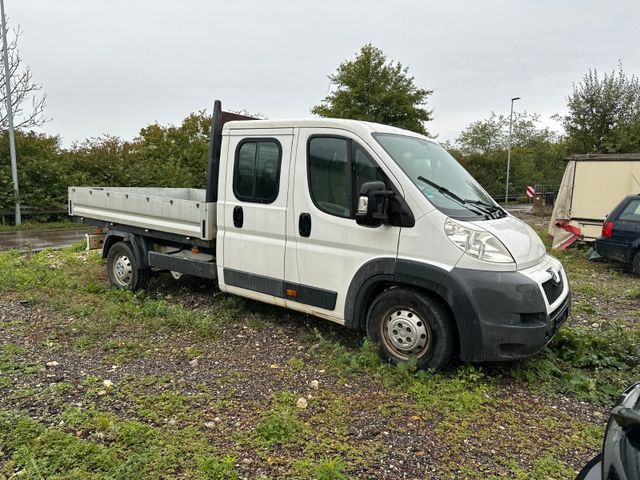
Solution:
(373, 204)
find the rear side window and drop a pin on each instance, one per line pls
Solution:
(256, 174)
(338, 167)
(631, 212)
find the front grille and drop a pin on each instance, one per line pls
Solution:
(553, 290)
(558, 317)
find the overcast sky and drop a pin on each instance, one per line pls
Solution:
(113, 66)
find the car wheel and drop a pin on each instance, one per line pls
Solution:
(635, 264)
(123, 269)
(407, 324)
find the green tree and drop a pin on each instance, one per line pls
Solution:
(180, 150)
(42, 173)
(604, 114)
(536, 157)
(373, 89)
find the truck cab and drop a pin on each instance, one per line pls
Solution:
(369, 226)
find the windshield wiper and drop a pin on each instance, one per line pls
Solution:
(450, 194)
(491, 208)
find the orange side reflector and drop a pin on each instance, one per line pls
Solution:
(292, 293)
(195, 250)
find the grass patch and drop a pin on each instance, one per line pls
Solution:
(592, 366)
(97, 445)
(281, 424)
(73, 281)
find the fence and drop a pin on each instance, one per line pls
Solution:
(8, 215)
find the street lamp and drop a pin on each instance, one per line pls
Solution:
(506, 190)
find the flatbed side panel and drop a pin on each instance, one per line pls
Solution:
(177, 211)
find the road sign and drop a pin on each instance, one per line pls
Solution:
(531, 191)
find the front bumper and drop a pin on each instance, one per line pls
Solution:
(507, 315)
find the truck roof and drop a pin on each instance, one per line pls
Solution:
(357, 126)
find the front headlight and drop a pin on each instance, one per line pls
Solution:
(479, 244)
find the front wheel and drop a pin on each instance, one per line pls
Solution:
(123, 269)
(635, 264)
(406, 323)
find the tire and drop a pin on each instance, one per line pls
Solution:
(406, 323)
(123, 269)
(635, 264)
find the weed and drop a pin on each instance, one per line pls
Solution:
(281, 424)
(296, 363)
(591, 366)
(218, 468)
(194, 352)
(634, 293)
(330, 469)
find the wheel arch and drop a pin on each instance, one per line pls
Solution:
(379, 274)
(140, 245)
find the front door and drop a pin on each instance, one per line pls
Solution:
(255, 207)
(330, 245)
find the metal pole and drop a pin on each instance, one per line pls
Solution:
(506, 189)
(12, 140)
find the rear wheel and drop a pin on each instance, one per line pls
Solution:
(635, 264)
(123, 269)
(406, 323)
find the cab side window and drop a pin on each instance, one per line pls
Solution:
(256, 174)
(330, 175)
(337, 168)
(366, 169)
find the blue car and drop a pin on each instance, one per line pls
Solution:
(620, 457)
(620, 238)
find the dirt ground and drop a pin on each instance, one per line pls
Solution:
(269, 394)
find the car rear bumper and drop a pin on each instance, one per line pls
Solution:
(613, 250)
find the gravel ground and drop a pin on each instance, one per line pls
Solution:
(242, 371)
(266, 359)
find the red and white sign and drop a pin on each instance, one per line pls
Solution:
(531, 191)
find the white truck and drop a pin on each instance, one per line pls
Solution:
(370, 226)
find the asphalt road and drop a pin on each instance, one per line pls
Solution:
(41, 239)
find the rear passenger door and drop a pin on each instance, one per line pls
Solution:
(330, 246)
(255, 206)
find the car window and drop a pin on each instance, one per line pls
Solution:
(337, 169)
(631, 212)
(257, 170)
(366, 169)
(330, 175)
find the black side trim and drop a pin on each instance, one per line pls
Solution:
(193, 267)
(257, 283)
(308, 295)
(316, 297)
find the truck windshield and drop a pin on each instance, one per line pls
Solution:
(421, 159)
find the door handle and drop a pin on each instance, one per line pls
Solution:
(238, 216)
(304, 225)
